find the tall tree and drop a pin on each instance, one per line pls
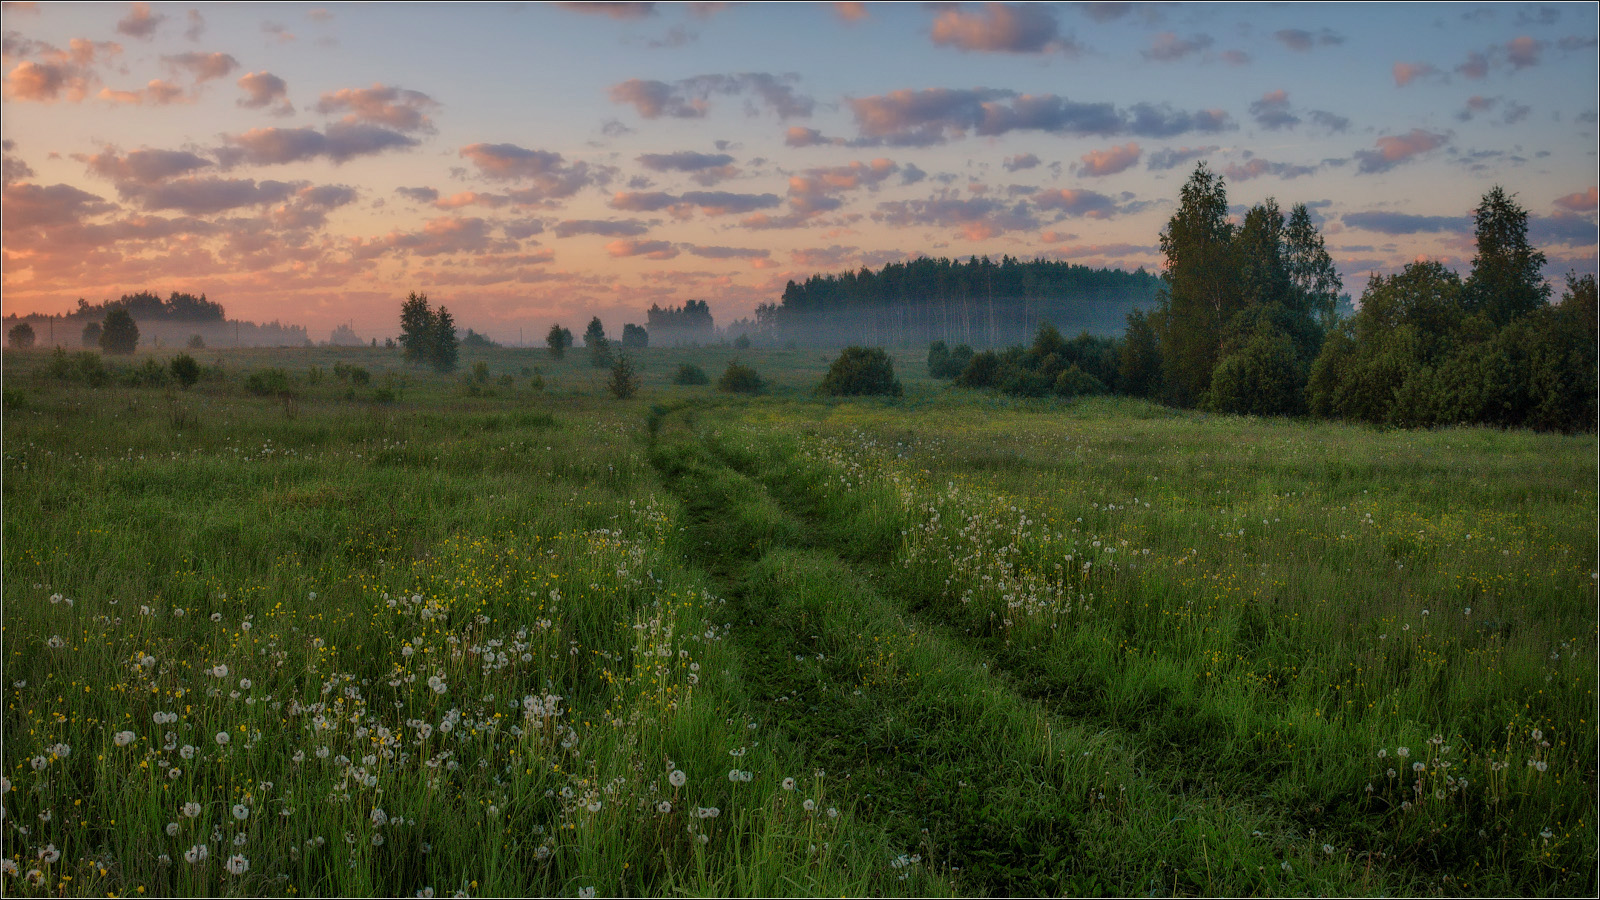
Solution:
(558, 340)
(1316, 282)
(446, 348)
(1202, 286)
(417, 330)
(1506, 279)
(119, 334)
(594, 338)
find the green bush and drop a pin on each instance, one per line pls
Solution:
(1258, 379)
(148, 374)
(21, 336)
(944, 362)
(185, 371)
(269, 381)
(982, 371)
(689, 373)
(739, 379)
(860, 372)
(1020, 382)
(625, 380)
(1074, 382)
(119, 333)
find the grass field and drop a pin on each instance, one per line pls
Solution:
(423, 634)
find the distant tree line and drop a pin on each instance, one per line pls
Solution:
(148, 306)
(979, 302)
(672, 326)
(1247, 323)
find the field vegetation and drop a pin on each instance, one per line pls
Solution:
(317, 622)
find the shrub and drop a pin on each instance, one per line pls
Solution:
(742, 342)
(739, 379)
(119, 333)
(635, 336)
(91, 335)
(148, 374)
(624, 378)
(480, 372)
(944, 362)
(269, 381)
(196, 342)
(1074, 382)
(1258, 379)
(689, 373)
(982, 371)
(85, 366)
(859, 372)
(185, 371)
(20, 336)
(558, 340)
(1020, 382)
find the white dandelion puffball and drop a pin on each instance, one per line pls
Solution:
(223, 738)
(677, 778)
(788, 784)
(237, 864)
(124, 738)
(241, 812)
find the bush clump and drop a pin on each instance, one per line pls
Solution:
(185, 371)
(689, 373)
(860, 372)
(268, 381)
(739, 379)
(944, 362)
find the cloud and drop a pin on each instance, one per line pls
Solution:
(1301, 40)
(816, 190)
(1105, 12)
(926, 117)
(1168, 47)
(648, 249)
(850, 11)
(721, 203)
(1001, 28)
(31, 206)
(1329, 120)
(1257, 167)
(439, 236)
(419, 194)
(156, 93)
(471, 198)
(1109, 161)
(205, 196)
(1405, 73)
(690, 98)
(1070, 202)
(1394, 150)
(14, 169)
(1476, 66)
(1524, 51)
(1021, 161)
(1404, 223)
(140, 22)
(203, 67)
(643, 201)
(46, 82)
(145, 166)
(800, 136)
(1563, 228)
(614, 10)
(197, 25)
(705, 168)
(601, 227)
(550, 175)
(273, 29)
(1172, 158)
(724, 252)
(397, 108)
(1582, 201)
(340, 142)
(1236, 57)
(264, 89)
(1272, 111)
(976, 218)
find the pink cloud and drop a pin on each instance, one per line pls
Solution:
(203, 66)
(263, 89)
(1110, 161)
(999, 27)
(1582, 201)
(550, 175)
(1476, 66)
(614, 10)
(1396, 149)
(156, 93)
(381, 104)
(1405, 73)
(850, 11)
(1068, 201)
(1523, 52)
(471, 198)
(648, 249)
(140, 23)
(145, 166)
(1168, 47)
(30, 206)
(340, 142)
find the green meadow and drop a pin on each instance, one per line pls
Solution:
(353, 628)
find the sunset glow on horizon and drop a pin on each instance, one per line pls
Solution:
(530, 164)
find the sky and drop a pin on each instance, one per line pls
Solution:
(525, 164)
